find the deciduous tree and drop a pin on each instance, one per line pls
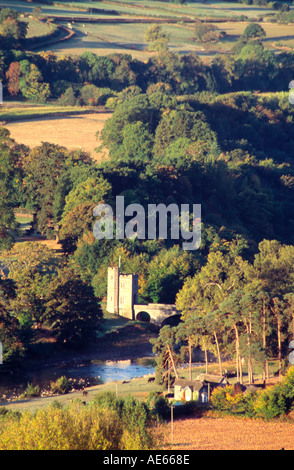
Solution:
(72, 310)
(253, 31)
(156, 38)
(13, 77)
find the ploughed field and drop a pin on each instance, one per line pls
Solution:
(207, 433)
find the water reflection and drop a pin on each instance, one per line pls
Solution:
(95, 371)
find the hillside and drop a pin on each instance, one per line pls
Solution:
(157, 138)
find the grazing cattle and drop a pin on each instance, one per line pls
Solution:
(151, 379)
(85, 393)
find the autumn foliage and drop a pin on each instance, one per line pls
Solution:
(13, 76)
(79, 427)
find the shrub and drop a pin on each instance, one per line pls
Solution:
(61, 386)
(31, 391)
(157, 405)
(108, 400)
(68, 98)
(268, 403)
(73, 428)
(92, 95)
(136, 419)
(254, 30)
(208, 33)
(276, 400)
(288, 386)
(77, 427)
(223, 399)
(187, 408)
(134, 416)
(219, 398)
(156, 38)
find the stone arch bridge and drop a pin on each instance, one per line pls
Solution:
(122, 299)
(155, 313)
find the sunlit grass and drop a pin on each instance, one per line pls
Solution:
(38, 28)
(18, 113)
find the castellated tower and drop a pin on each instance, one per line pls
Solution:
(122, 293)
(112, 290)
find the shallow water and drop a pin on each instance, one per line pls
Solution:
(95, 371)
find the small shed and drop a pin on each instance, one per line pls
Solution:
(199, 389)
(184, 389)
(187, 390)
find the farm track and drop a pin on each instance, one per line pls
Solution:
(61, 35)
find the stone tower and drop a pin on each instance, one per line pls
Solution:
(112, 290)
(122, 293)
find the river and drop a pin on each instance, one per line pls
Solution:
(93, 372)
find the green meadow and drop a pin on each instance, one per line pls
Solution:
(108, 38)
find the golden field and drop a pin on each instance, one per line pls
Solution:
(73, 132)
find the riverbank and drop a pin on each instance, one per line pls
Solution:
(137, 387)
(120, 340)
(127, 342)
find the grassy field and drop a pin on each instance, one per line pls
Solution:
(70, 131)
(275, 34)
(139, 388)
(165, 9)
(14, 111)
(109, 38)
(139, 8)
(25, 7)
(104, 39)
(38, 29)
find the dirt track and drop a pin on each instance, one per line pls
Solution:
(232, 434)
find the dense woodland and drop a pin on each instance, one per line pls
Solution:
(182, 131)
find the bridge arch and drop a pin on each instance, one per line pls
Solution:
(143, 316)
(173, 320)
(158, 313)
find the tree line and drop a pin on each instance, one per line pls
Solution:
(44, 76)
(89, 79)
(234, 308)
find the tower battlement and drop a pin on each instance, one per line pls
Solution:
(122, 293)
